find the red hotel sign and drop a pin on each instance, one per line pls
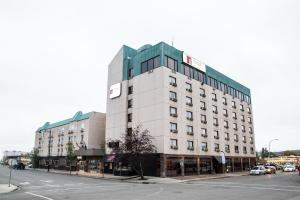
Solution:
(193, 62)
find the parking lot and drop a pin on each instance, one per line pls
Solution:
(42, 185)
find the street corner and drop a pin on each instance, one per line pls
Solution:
(5, 188)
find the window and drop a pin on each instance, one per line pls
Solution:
(244, 149)
(130, 90)
(172, 81)
(244, 139)
(236, 137)
(233, 104)
(173, 111)
(171, 63)
(243, 128)
(188, 71)
(215, 120)
(130, 73)
(190, 145)
(202, 92)
(173, 96)
(235, 126)
(129, 131)
(234, 115)
(227, 136)
(130, 103)
(150, 64)
(226, 124)
(225, 112)
(250, 130)
(214, 97)
(129, 117)
(212, 82)
(242, 118)
(236, 149)
(174, 144)
(227, 148)
(81, 139)
(224, 100)
(249, 120)
(203, 132)
(251, 140)
(173, 127)
(223, 87)
(188, 87)
(189, 130)
(216, 134)
(189, 115)
(216, 145)
(188, 101)
(249, 110)
(241, 107)
(215, 109)
(204, 146)
(252, 150)
(202, 105)
(203, 119)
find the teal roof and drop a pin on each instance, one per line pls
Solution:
(77, 117)
(133, 58)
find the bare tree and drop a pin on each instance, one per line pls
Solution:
(133, 146)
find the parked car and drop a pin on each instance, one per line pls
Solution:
(289, 168)
(258, 170)
(19, 166)
(29, 165)
(270, 170)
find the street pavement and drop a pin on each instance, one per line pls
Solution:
(39, 185)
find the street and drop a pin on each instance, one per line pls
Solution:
(37, 185)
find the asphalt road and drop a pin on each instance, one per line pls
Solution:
(37, 185)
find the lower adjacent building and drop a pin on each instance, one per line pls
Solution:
(85, 131)
(199, 117)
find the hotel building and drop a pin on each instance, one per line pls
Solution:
(198, 117)
(85, 131)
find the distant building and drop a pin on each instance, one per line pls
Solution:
(284, 159)
(194, 112)
(84, 131)
(13, 157)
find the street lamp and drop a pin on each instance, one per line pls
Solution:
(270, 148)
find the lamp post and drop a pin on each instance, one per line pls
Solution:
(270, 148)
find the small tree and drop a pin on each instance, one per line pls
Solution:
(133, 146)
(71, 157)
(35, 158)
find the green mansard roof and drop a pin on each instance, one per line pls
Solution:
(77, 117)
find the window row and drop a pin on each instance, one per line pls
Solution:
(204, 146)
(150, 64)
(173, 96)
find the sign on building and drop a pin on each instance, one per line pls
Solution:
(193, 62)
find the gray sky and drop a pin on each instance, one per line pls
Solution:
(54, 57)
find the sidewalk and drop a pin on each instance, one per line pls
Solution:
(149, 179)
(5, 189)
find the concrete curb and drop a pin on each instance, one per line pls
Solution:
(211, 178)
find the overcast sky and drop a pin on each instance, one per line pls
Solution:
(54, 57)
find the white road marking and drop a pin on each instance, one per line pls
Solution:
(36, 195)
(46, 181)
(24, 183)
